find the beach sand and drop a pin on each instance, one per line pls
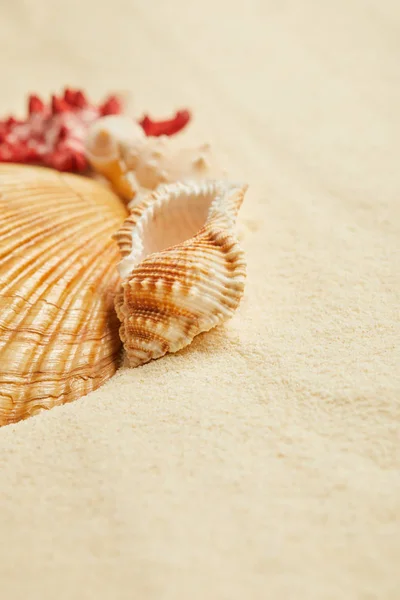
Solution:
(263, 461)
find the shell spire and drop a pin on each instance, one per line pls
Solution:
(182, 269)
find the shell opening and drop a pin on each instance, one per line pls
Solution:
(173, 219)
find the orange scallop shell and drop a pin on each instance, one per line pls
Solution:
(58, 328)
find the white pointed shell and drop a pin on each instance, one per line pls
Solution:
(58, 329)
(183, 271)
(118, 149)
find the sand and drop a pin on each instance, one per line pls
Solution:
(263, 462)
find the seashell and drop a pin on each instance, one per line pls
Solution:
(59, 331)
(118, 149)
(182, 268)
(104, 151)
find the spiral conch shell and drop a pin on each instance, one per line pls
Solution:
(182, 269)
(58, 328)
(118, 149)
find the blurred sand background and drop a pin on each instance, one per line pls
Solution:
(263, 462)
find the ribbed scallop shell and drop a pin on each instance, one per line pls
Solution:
(182, 268)
(58, 329)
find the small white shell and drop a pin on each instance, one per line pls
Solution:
(182, 269)
(108, 139)
(118, 149)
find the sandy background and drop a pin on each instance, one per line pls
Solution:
(263, 461)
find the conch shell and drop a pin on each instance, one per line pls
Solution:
(118, 149)
(58, 329)
(182, 269)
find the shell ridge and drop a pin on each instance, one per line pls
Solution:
(27, 271)
(67, 222)
(95, 265)
(34, 351)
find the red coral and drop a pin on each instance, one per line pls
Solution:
(35, 105)
(53, 135)
(168, 127)
(112, 106)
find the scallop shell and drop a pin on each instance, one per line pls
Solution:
(59, 332)
(118, 149)
(182, 268)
